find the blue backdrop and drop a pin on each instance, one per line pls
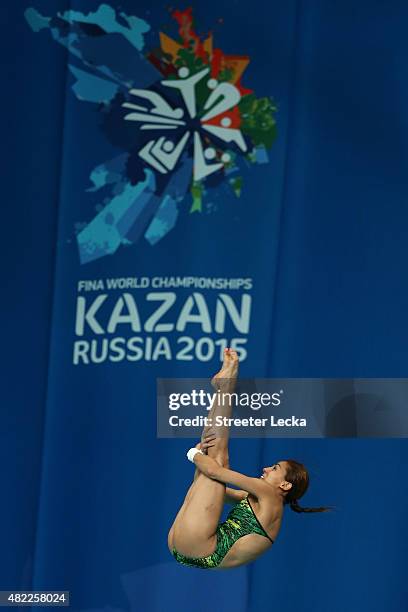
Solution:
(316, 222)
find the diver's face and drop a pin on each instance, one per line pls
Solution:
(275, 474)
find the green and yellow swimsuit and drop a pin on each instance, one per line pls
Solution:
(240, 521)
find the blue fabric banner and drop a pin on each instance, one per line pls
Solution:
(191, 178)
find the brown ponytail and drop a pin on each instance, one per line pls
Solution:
(296, 508)
(297, 475)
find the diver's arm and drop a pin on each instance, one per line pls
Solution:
(213, 470)
(232, 496)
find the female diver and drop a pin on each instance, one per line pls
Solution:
(197, 538)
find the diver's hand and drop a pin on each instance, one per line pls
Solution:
(207, 442)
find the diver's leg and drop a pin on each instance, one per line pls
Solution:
(224, 382)
(207, 443)
(180, 513)
(194, 530)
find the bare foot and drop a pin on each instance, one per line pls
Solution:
(227, 376)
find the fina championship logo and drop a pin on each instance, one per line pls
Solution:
(183, 135)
